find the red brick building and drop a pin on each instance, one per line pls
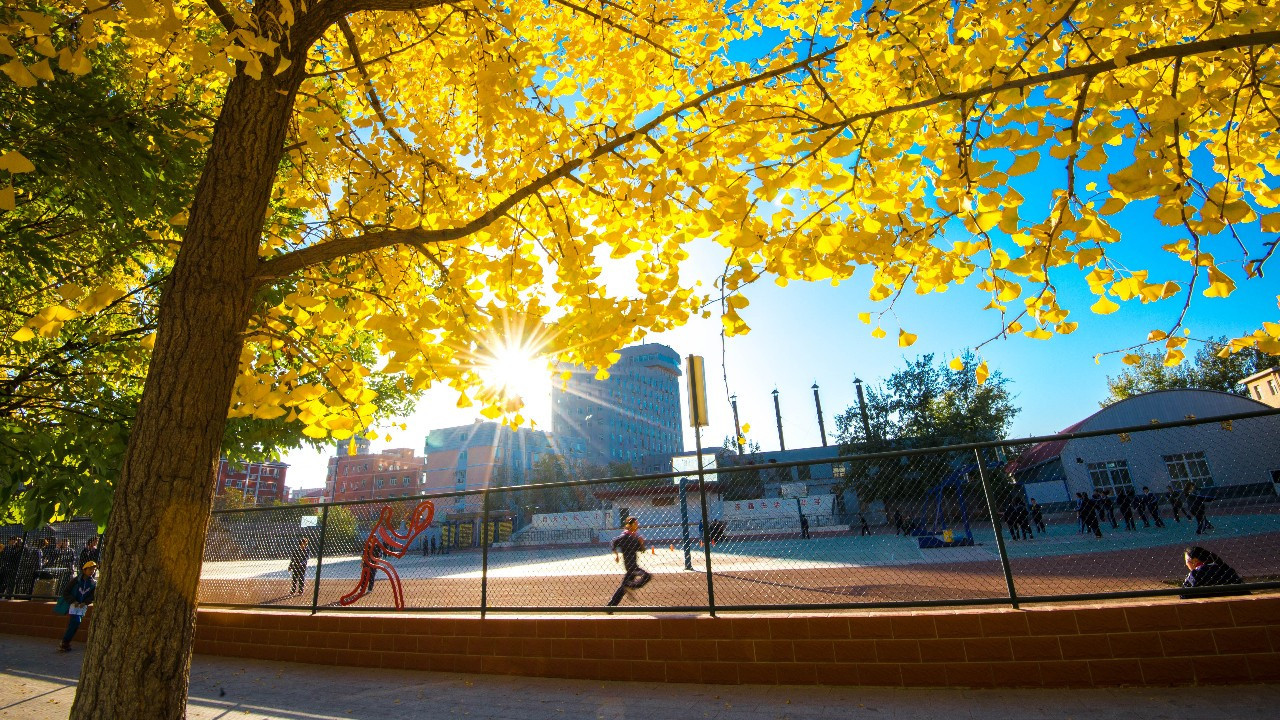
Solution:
(390, 473)
(261, 482)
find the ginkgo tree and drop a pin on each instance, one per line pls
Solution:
(450, 177)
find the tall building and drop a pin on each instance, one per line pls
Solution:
(261, 482)
(370, 476)
(471, 457)
(633, 413)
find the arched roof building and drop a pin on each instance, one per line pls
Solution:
(1240, 457)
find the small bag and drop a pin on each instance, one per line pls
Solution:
(62, 607)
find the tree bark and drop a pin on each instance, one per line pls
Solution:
(137, 660)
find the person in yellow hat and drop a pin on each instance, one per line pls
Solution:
(79, 596)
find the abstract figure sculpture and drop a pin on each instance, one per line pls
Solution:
(384, 540)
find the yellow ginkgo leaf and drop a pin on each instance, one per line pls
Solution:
(1024, 164)
(1104, 306)
(878, 333)
(15, 162)
(1131, 359)
(746, 428)
(8, 199)
(980, 373)
(24, 334)
(1173, 358)
(957, 364)
(864, 318)
(905, 339)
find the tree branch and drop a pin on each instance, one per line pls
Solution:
(289, 263)
(1270, 37)
(370, 92)
(223, 15)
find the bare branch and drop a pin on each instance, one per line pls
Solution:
(223, 15)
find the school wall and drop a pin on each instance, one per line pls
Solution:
(1155, 643)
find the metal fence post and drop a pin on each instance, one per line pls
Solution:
(315, 589)
(995, 526)
(706, 535)
(484, 555)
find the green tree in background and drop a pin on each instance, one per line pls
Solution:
(924, 404)
(1211, 368)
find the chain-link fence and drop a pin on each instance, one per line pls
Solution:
(1074, 516)
(38, 564)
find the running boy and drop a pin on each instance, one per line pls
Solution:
(629, 543)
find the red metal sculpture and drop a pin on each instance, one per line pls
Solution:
(384, 540)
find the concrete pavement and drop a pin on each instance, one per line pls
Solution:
(37, 683)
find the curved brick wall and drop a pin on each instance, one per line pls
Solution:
(1229, 640)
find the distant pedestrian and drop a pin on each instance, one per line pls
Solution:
(1037, 516)
(64, 561)
(10, 561)
(1207, 569)
(1080, 503)
(1022, 516)
(1196, 505)
(1125, 502)
(804, 527)
(375, 552)
(1089, 511)
(866, 529)
(1140, 507)
(1152, 502)
(90, 552)
(1107, 508)
(630, 543)
(1010, 517)
(899, 528)
(79, 596)
(1175, 503)
(298, 567)
(434, 547)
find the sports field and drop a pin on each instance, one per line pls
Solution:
(834, 569)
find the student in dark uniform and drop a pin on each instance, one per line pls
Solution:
(1107, 507)
(1125, 501)
(298, 567)
(1037, 516)
(866, 529)
(629, 544)
(804, 527)
(1022, 516)
(79, 596)
(1175, 503)
(1196, 507)
(1139, 504)
(1089, 511)
(1152, 502)
(1208, 569)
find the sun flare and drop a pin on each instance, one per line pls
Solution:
(517, 371)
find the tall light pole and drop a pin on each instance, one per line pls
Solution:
(737, 429)
(822, 430)
(862, 410)
(777, 412)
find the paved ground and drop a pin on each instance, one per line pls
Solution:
(37, 683)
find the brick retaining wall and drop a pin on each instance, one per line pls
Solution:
(1156, 643)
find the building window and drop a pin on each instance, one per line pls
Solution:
(1110, 475)
(1257, 391)
(1189, 466)
(1271, 385)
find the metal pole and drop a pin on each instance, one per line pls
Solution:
(484, 556)
(315, 590)
(684, 523)
(995, 525)
(822, 430)
(777, 412)
(737, 429)
(862, 410)
(706, 525)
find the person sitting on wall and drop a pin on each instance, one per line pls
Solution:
(1207, 569)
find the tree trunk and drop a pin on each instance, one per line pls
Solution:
(137, 661)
